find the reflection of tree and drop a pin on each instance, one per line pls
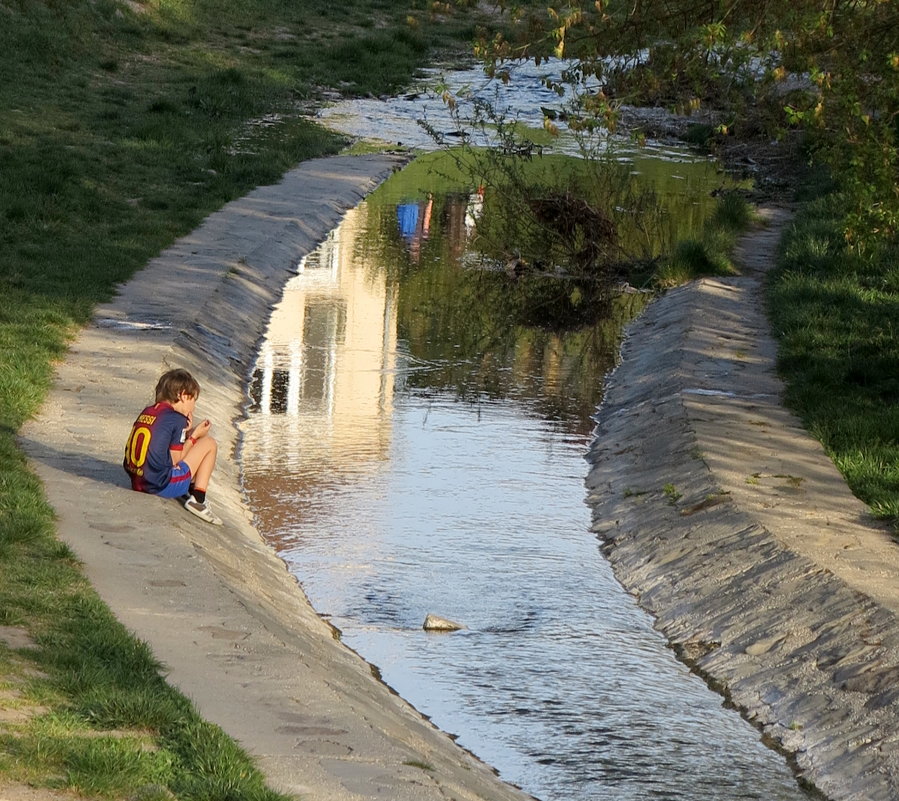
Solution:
(564, 271)
(472, 329)
(461, 323)
(459, 223)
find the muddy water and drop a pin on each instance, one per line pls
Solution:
(411, 448)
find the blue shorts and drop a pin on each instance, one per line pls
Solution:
(179, 484)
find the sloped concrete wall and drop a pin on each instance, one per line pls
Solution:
(733, 528)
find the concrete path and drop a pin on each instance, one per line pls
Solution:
(731, 525)
(215, 604)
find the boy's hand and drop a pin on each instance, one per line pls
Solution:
(202, 429)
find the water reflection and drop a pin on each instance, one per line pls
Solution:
(325, 373)
(397, 120)
(411, 448)
(414, 222)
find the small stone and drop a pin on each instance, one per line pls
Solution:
(436, 623)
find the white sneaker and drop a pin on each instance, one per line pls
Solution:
(201, 510)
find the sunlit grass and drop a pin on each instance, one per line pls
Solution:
(835, 312)
(60, 754)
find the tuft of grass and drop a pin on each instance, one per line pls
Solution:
(672, 494)
(110, 766)
(700, 135)
(696, 258)
(834, 310)
(414, 763)
(373, 63)
(710, 254)
(733, 213)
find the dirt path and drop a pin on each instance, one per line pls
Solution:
(731, 525)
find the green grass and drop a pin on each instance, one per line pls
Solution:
(121, 127)
(836, 312)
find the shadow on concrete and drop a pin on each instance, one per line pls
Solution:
(76, 463)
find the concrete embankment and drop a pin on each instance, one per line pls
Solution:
(733, 528)
(215, 604)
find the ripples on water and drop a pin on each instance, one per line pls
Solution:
(395, 486)
(395, 120)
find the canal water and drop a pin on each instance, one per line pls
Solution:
(412, 446)
(524, 99)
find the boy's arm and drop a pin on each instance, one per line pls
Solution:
(176, 450)
(193, 435)
(177, 441)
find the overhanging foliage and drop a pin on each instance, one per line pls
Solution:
(829, 67)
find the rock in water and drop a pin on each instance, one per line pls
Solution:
(435, 623)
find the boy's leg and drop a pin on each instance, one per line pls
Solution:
(201, 461)
(179, 483)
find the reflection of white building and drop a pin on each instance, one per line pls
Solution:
(473, 210)
(324, 375)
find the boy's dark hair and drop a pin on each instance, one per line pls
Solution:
(173, 383)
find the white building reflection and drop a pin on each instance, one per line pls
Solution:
(325, 372)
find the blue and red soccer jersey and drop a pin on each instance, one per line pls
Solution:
(158, 430)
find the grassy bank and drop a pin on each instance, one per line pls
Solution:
(122, 125)
(836, 313)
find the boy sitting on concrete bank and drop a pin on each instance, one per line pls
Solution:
(166, 455)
